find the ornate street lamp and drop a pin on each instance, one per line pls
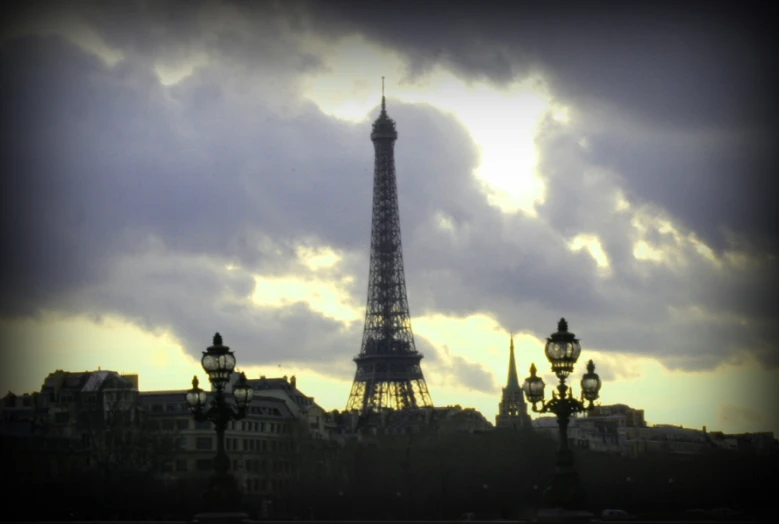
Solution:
(562, 350)
(219, 362)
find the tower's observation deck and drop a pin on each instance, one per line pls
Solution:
(388, 366)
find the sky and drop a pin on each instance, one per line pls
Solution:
(175, 169)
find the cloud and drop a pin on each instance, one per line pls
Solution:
(473, 375)
(146, 194)
(696, 87)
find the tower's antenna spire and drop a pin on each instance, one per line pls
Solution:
(383, 106)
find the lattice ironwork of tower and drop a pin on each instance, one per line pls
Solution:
(388, 366)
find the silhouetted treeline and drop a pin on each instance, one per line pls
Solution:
(420, 476)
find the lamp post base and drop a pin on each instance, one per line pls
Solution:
(220, 518)
(565, 492)
(222, 495)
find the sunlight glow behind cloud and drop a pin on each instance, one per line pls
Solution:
(323, 296)
(593, 246)
(502, 122)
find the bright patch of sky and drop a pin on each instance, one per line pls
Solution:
(323, 296)
(671, 397)
(593, 246)
(174, 72)
(502, 121)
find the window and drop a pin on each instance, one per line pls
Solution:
(182, 423)
(60, 418)
(156, 408)
(203, 425)
(181, 443)
(262, 427)
(204, 443)
(181, 465)
(203, 465)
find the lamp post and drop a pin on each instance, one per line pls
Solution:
(562, 350)
(218, 362)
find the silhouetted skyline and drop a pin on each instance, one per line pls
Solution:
(177, 170)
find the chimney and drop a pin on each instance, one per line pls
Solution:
(293, 381)
(132, 378)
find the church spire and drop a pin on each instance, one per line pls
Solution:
(513, 380)
(512, 410)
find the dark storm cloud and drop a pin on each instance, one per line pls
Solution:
(675, 68)
(193, 297)
(238, 182)
(230, 166)
(98, 155)
(689, 65)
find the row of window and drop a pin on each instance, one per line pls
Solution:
(206, 465)
(170, 407)
(231, 444)
(266, 466)
(265, 485)
(170, 424)
(261, 427)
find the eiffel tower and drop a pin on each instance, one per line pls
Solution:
(388, 372)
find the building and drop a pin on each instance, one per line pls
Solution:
(319, 423)
(665, 439)
(261, 446)
(284, 437)
(82, 403)
(762, 443)
(452, 419)
(621, 429)
(34, 454)
(512, 410)
(621, 414)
